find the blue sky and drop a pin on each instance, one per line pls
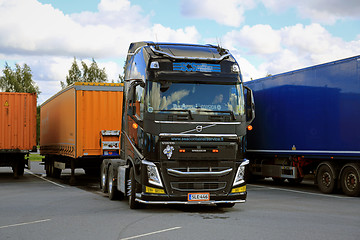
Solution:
(265, 36)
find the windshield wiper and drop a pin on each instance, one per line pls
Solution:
(176, 110)
(231, 113)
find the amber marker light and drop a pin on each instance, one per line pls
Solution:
(249, 127)
(135, 126)
(215, 150)
(182, 150)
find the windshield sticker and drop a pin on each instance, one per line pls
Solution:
(196, 67)
(198, 139)
(213, 107)
(168, 151)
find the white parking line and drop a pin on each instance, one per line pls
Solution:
(26, 223)
(47, 180)
(147, 234)
(296, 191)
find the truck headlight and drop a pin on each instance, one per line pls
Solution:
(153, 174)
(239, 177)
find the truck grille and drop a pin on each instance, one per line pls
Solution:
(196, 186)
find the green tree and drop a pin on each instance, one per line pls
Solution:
(18, 80)
(87, 73)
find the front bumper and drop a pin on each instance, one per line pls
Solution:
(165, 199)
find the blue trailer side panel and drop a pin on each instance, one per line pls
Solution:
(312, 111)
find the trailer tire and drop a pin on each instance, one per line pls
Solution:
(133, 204)
(326, 178)
(103, 178)
(350, 180)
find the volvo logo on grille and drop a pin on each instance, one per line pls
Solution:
(199, 128)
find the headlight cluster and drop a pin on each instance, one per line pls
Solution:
(239, 177)
(153, 174)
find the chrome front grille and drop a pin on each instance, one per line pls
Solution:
(197, 186)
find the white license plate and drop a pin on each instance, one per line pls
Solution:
(198, 196)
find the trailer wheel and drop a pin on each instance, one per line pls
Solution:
(113, 192)
(103, 178)
(133, 204)
(326, 178)
(350, 180)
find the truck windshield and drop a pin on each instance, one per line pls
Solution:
(196, 97)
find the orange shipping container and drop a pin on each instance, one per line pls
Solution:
(73, 120)
(17, 122)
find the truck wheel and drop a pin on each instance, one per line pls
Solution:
(133, 204)
(326, 178)
(103, 178)
(350, 180)
(113, 192)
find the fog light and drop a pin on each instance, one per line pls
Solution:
(239, 189)
(154, 190)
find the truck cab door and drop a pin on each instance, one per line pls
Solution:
(250, 105)
(135, 115)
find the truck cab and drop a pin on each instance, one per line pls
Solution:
(185, 121)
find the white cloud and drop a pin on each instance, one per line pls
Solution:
(226, 12)
(107, 33)
(321, 11)
(288, 48)
(47, 39)
(259, 39)
(165, 34)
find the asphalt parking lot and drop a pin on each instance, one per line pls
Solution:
(36, 207)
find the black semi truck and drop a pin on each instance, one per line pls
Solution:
(184, 125)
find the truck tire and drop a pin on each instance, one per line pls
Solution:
(103, 178)
(112, 190)
(350, 180)
(326, 178)
(133, 204)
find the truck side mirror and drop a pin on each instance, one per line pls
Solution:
(250, 104)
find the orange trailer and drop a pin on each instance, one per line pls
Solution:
(17, 129)
(80, 126)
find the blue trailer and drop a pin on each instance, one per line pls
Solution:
(308, 121)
